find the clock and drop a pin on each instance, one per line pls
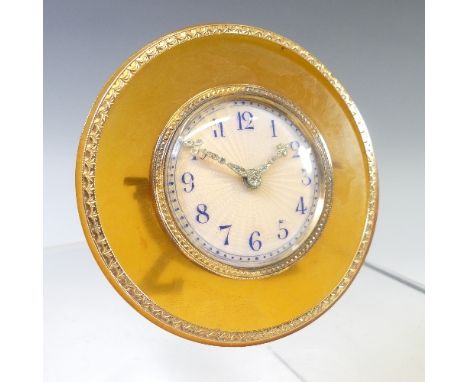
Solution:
(242, 181)
(226, 184)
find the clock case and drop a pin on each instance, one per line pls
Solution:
(116, 205)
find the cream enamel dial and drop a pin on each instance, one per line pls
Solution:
(244, 182)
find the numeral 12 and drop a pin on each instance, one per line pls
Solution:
(245, 120)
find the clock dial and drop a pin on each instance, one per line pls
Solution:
(244, 182)
(217, 208)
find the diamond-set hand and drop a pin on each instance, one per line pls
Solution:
(252, 177)
(281, 151)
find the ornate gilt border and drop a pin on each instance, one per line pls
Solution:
(87, 169)
(159, 167)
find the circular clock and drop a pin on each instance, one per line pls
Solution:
(242, 181)
(226, 184)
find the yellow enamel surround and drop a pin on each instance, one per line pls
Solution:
(117, 209)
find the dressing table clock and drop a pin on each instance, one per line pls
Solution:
(227, 185)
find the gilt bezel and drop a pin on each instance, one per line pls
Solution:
(161, 155)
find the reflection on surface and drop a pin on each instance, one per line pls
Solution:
(152, 280)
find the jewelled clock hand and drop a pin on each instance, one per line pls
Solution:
(281, 151)
(252, 177)
(199, 151)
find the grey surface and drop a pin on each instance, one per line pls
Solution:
(376, 49)
(375, 332)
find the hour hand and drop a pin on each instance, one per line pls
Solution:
(239, 170)
(199, 151)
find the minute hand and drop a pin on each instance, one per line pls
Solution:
(281, 151)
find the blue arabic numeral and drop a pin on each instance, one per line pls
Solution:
(202, 216)
(188, 179)
(255, 244)
(245, 120)
(228, 227)
(283, 232)
(300, 206)
(306, 179)
(218, 129)
(273, 129)
(295, 148)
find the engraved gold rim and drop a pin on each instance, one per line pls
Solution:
(159, 169)
(89, 213)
